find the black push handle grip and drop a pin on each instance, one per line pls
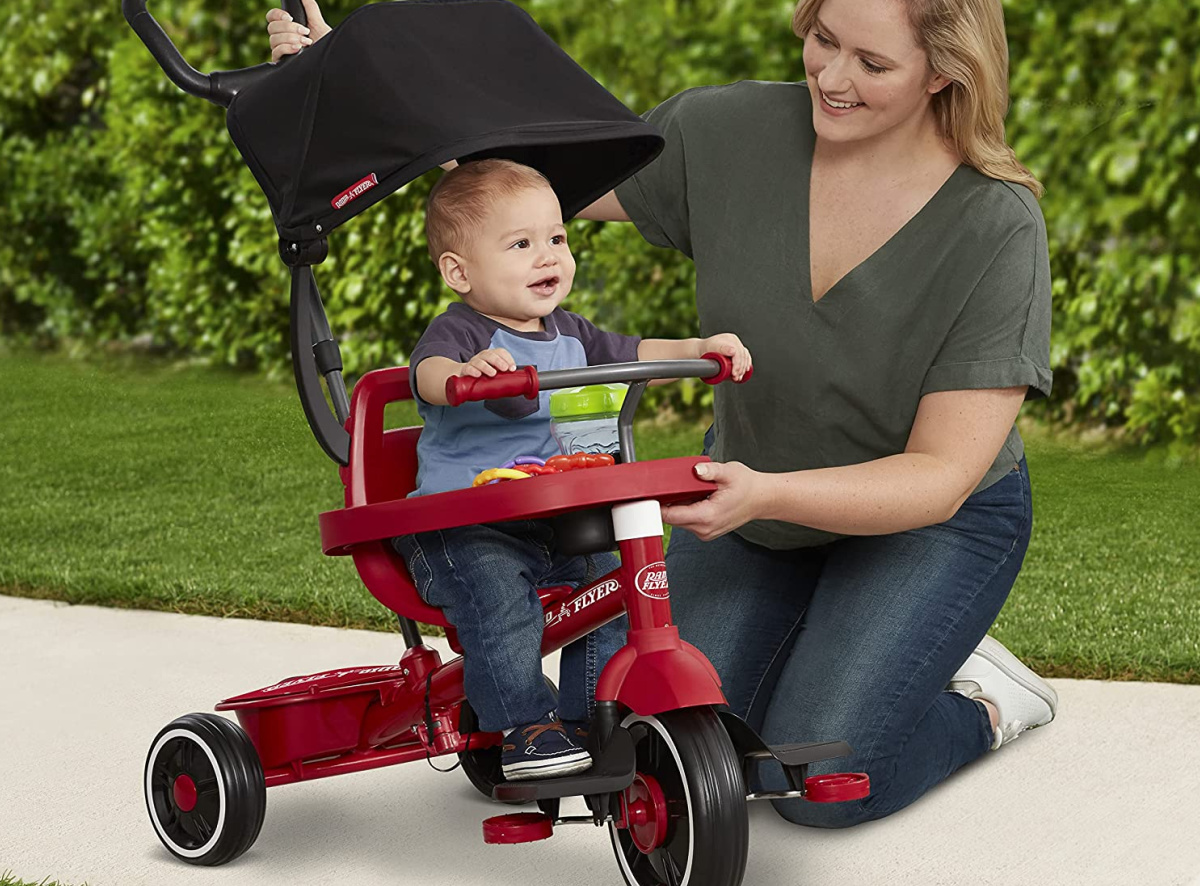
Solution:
(218, 87)
(181, 73)
(295, 8)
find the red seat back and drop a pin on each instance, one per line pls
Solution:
(383, 467)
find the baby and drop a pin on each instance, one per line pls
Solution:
(496, 233)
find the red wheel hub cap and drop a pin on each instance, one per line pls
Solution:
(646, 813)
(184, 791)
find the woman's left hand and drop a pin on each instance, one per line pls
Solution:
(737, 499)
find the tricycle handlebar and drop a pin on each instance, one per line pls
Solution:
(526, 381)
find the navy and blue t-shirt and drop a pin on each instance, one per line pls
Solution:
(458, 442)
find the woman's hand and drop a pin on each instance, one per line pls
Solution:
(287, 37)
(731, 346)
(737, 499)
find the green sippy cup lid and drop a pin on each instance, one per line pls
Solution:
(589, 400)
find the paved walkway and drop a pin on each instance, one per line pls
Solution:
(1107, 795)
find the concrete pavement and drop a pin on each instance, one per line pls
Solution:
(1107, 795)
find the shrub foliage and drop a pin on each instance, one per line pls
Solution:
(128, 213)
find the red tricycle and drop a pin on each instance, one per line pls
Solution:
(673, 765)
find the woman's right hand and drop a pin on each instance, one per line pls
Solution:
(288, 37)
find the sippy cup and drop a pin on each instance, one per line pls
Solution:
(585, 419)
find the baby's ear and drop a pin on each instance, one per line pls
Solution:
(453, 269)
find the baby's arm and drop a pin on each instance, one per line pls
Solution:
(432, 372)
(694, 348)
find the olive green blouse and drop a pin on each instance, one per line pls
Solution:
(958, 298)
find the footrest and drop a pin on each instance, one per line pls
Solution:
(801, 754)
(613, 772)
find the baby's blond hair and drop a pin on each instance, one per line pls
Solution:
(460, 201)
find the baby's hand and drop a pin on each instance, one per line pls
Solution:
(488, 363)
(287, 37)
(731, 346)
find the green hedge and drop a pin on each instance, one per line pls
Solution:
(127, 212)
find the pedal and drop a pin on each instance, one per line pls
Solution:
(518, 827)
(612, 773)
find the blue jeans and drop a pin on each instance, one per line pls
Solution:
(485, 579)
(856, 640)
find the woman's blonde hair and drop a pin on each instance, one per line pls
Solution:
(965, 43)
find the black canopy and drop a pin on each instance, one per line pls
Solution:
(399, 88)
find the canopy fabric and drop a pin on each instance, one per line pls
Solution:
(399, 88)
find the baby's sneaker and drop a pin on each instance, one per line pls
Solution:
(577, 731)
(542, 750)
(1023, 700)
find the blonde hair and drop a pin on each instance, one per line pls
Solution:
(461, 199)
(964, 41)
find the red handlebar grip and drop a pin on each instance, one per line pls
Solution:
(726, 371)
(521, 382)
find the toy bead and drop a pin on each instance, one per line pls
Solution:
(498, 474)
(523, 460)
(580, 460)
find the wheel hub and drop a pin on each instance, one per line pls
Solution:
(184, 793)
(646, 813)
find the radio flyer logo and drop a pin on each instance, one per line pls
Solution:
(355, 191)
(582, 602)
(336, 676)
(651, 581)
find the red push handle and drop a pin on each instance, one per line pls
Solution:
(521, 382)
(726, 372)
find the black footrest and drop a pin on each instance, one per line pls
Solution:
(613, 772)
(802, 754)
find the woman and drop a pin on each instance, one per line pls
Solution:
(876, 244)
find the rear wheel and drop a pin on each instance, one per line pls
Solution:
(686, 811)
(482, 766)
(204, 789)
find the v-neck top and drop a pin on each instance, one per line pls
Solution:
(958, 298)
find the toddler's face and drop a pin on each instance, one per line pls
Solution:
(519, 267)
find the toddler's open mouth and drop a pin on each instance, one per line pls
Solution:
(545, 286)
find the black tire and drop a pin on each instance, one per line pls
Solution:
(708, 834)
(228, 796)
(483, 766)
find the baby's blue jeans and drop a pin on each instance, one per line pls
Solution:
(485, 579)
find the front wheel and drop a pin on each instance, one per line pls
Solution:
(204, 789)
(685, 814)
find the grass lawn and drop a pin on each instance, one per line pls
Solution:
(195, 490)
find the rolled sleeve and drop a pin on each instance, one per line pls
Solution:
(656, 197)
(1001, 339)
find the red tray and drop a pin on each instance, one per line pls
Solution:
(668, 480)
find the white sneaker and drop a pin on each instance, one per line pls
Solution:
(1023, 700)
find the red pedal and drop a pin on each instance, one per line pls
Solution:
(837, 787)
(519, 827)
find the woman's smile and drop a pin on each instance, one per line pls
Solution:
(837, 109)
